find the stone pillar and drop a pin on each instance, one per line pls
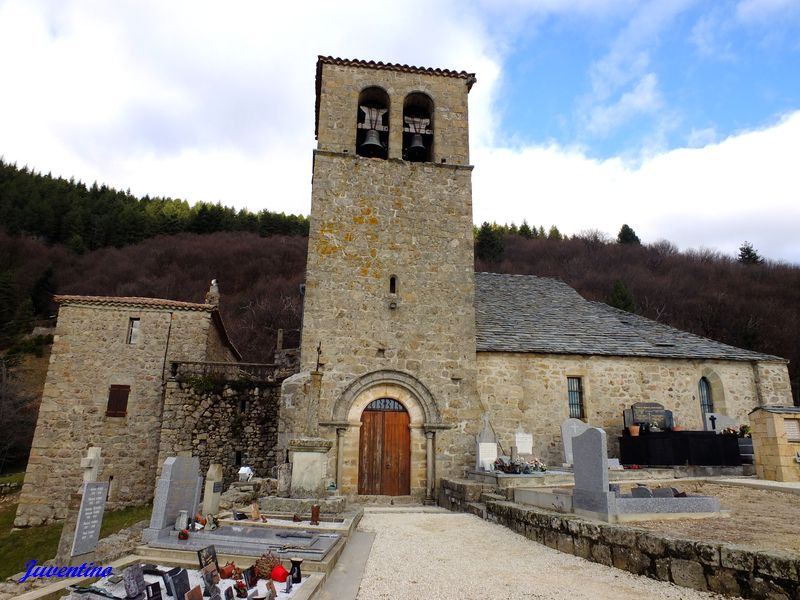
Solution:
(309, 466)
(340, 431)
(430, 475)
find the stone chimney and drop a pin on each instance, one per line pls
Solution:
(212, 296)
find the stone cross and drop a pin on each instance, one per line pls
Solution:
(91, 465)
(570, 429)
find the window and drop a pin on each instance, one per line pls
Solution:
(706, 401)
(372, 123)
(393, 284)
(118, 400)
(417, 127)
(237, 458)
(575, 396)
(133, 330)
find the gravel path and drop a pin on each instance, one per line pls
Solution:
(461, 557)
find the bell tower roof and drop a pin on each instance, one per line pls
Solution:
(469, 78)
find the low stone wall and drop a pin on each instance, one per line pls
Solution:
(9, 488)
(723, 568)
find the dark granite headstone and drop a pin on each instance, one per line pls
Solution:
(661, 492)
(178, 582)
(641, 491)
(250, 577)
(208, 556)
(133, 579)
(153, 591)
(229, 593)
(651, 412)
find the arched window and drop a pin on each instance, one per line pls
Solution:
(386, 404)
(372, 128)
(417, 127)
(706, 400)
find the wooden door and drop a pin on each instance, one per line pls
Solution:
(384, 457)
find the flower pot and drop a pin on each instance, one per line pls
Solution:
(633, 430)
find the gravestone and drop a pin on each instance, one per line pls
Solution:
(90, 517)
(213, 489)
(486, 447)
(569, 429)
(133, 579)
(524, 442)
(177, 489)
(717, 422)
(177, 581)
(153, 591)
(641, 491)
(81, 528)
(614, 465)
(648, 412)
(590, 466)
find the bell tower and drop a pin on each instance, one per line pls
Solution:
(389, 300)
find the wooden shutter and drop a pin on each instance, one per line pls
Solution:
(118, 400)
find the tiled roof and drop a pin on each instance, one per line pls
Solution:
(349, 62)
(133, 301)
(524, 313)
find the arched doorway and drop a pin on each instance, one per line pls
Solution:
(384, 449)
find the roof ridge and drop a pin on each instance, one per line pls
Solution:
(470, 77)
(133, 300)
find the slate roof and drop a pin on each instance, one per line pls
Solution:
(525, 313)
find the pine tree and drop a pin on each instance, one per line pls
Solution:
(621, 297)
(489, 243)
(748, 255)
(525, 230)
(554, 234)
(627, 236)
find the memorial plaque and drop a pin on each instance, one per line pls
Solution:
(194, 594)
(650, 412)
(133, 577)
(229, 593)
(208, 556)
(90, 517)
(487, 454)
(523, 442)
(217, 487)
(178, 582)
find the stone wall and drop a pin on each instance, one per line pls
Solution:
(530, 391)
(338, 110)
(90, 353)
(215, 420)
(707, 566)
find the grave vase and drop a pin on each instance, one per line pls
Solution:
(295, 573)
(633, 430)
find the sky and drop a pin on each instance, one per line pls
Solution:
(680, 118)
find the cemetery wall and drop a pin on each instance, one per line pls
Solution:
(90, 353)
(530, 391)
(717, 567)
(214, 420)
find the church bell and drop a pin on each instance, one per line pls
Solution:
(372, 144)
(416, 149)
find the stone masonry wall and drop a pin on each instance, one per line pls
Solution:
(341, 86)
(530, 391)
(89, 354)
(214, 420)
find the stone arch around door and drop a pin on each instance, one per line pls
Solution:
(423, 416)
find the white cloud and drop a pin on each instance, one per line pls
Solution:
(759, 11)
(744, 187)
(643, 99)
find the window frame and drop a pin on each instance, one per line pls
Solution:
(134, 331)
(579, 392)
(705, 395)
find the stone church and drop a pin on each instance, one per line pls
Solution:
(404, 347)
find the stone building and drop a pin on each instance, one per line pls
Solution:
(105, 387)
(405, 348)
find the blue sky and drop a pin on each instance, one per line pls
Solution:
(678, 117)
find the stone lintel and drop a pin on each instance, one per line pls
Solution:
(310, 445)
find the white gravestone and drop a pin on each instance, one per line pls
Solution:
(524, 442)
(178, 488)
(570, 429)
(213, 489)
(486, 447)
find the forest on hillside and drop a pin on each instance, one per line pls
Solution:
(62, 237)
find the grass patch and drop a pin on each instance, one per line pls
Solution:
(41, 543)
(13, 478)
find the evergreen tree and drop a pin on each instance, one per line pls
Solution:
(748, 255)
(489, 243)
(627, 236)
(525, 230)
(621, 297)
(42, 293)
(553, 234)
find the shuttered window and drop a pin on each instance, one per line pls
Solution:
(118, 400)
(575, 396)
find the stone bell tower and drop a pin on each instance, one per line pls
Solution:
(388, 341)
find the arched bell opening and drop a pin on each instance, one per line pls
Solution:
(372, 123)
(418, 127)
